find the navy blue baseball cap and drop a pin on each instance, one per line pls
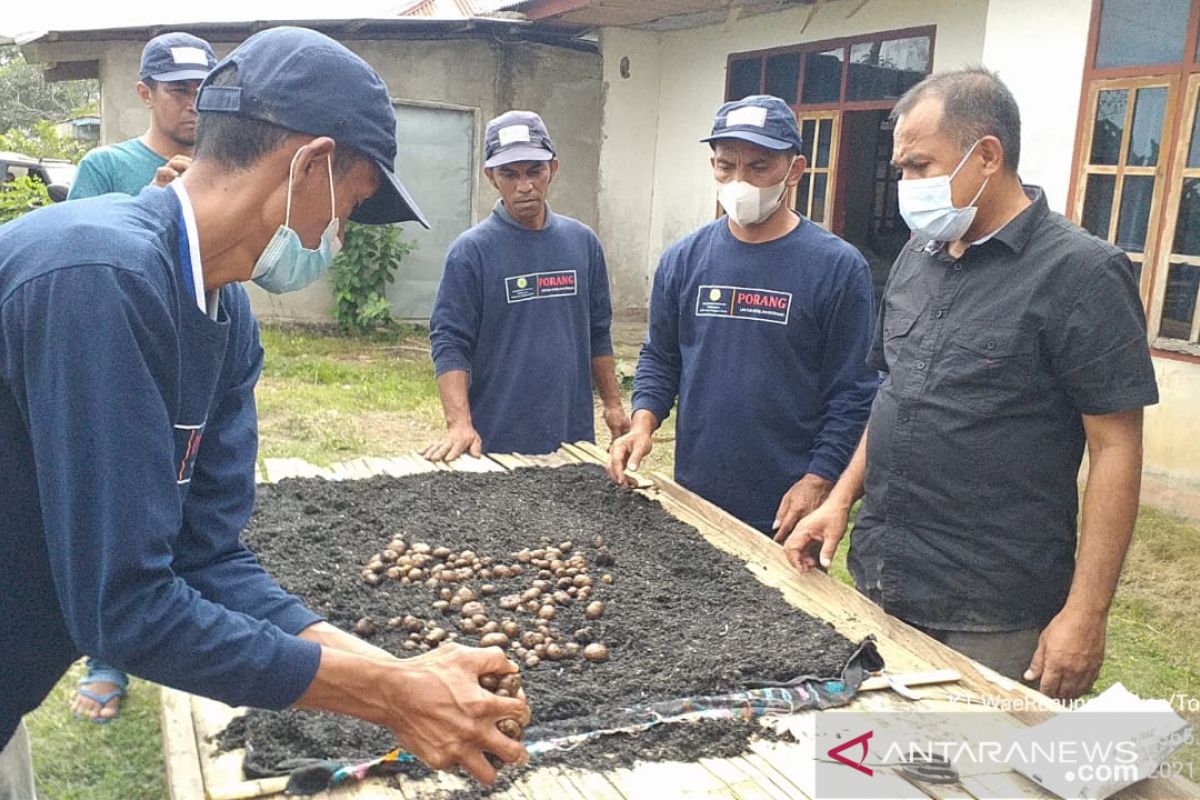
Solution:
(177, 57)
(306, 82)
(761, 119)
(516, 136)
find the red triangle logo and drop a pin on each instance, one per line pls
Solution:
(836, 753)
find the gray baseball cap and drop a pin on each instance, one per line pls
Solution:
(517, 136)
(177, 56)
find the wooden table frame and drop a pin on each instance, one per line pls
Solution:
(770, 771)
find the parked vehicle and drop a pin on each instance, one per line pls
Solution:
(57, 174)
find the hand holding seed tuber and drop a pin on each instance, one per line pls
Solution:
(442, 714)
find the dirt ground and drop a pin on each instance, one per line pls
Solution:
(657, 622)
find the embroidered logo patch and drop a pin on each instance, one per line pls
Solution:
(541, 285)
(736, 302)
(187, 446)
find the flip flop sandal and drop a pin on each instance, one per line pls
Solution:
(113, 676)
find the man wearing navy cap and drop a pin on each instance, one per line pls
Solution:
(173, 65)
(521, 327)
(128, 360)
(759, 323)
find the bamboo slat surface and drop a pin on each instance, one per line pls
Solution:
(770, 771)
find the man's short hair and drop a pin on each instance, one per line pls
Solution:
(976, 103)
(238, 142)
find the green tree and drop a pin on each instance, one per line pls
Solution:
(26, 98)
(43, 141)
(20, 196)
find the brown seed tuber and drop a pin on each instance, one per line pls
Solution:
(479, 619)
(532, 660)
(370, 578)
(511, 728)
(490, 681)
(487, 589)
(468, 627)
(490, 627)
(496, 639)
(511, 682)
(562, 598)
(421, 548)
(441, 605)
(365, 627)
(442, 553)
(412, 623)
(472, 608)
(596, 651)
(510, 601)
(594, 610)
(435, 635)
(511, 628)
(546, 612)
(554, 651)
(388, 556)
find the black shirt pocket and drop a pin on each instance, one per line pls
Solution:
(987, 367)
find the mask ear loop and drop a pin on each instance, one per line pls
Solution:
(332, 196)
(287, 220)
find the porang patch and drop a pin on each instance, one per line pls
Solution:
(541, 285)
(737, 302)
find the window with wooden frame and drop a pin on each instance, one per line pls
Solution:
(823, 80)
(1137, 178)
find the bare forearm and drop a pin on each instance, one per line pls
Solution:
(604, 378)
(452, 388)
(348, 683)
(1109, 511)
(849, 487)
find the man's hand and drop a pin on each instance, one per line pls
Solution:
(171, 170)
(823, 528)
(627, 452)
(459, 439)
(1069, 654)
(617, 421)
(445, 718)
(804, 496)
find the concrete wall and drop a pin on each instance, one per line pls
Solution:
(563, 86)
(690, 82)
(1172, 428)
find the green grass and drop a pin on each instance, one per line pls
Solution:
(79, 760)
(328, 399)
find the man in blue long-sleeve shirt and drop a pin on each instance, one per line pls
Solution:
(128, 359)
(520, 328)
(759, 323)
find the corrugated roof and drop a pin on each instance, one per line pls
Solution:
(652, 14)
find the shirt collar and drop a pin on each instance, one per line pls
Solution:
(206, 303)
(503, 213)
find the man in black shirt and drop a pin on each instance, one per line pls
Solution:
(1008, 339)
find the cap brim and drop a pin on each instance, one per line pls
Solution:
(520, 153)
(181, 75)
(390, 203)
(754, 138)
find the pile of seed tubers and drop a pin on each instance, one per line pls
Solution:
(559, 576)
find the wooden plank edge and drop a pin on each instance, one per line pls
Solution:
(181, 754)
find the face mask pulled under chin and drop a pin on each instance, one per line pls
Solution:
(747, 204)
(927, 205)
(286, 265)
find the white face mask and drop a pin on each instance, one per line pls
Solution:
(747, 204)
(927, 205)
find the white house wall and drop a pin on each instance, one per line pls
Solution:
(691, 85)
(1039, 49)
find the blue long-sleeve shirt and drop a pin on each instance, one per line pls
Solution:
(127, 444)
(524, 312)
(765, 346)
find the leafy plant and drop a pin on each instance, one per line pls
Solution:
(361, 273)
(43, 141)
(20, 196)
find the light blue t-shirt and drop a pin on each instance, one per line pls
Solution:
(126, 167)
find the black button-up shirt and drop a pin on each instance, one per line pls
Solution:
(976, 436)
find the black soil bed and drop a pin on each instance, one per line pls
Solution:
(679, 618)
